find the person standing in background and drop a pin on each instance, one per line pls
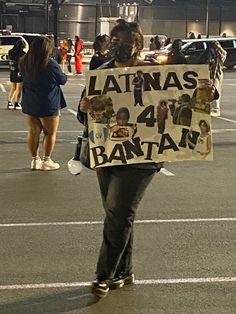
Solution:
(78, 55)
(215, 56)
(152, 45)
(101, 49)
(64, 49)
(176, 56)
(167, 42)
(70, 54)
(14, 56)
(157, 42)
(191, 35)
(42, 100)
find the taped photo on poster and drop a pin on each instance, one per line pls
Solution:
(149, 114)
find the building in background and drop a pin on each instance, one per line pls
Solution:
(174, 18)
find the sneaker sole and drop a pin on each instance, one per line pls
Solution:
(100, 293)
(117, 285)
(48, 169)
(123, 282)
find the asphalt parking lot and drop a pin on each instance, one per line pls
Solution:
(51, 226)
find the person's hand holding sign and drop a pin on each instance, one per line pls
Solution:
(213, 92)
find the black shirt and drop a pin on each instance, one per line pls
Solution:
(97, 60)
(176, 58)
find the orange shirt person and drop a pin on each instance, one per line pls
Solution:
(79, 43)
(64, 49)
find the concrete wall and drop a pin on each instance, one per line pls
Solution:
(175, 22)
(80, 19)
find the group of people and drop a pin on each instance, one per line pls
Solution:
(62, 55)
(157, 42)
(122, 187)
(68, 50)
(191, 35)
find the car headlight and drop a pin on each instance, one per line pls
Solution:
(162, 59)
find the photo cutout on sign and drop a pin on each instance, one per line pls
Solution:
(122, 130)
(202, 97)
(101, 109)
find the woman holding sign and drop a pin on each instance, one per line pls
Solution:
(122, 187)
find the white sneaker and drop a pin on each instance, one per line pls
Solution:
(49, 164)
(215, 113)
(10, 105)
(17, 106)
(36, 164)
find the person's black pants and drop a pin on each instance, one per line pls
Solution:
(69, 63)
(138, 97)
(122, 188)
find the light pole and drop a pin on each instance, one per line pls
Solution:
(47, 16)
(128, 12)
(207, 18)
(55, 6)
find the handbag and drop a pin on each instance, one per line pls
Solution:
(84, 152)
(82, 149)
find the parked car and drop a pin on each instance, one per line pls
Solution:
(29, 37)
(6, 43)
(193, 48)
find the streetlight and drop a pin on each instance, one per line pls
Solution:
(207, 18)
(128, 11)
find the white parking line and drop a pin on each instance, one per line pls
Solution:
(219, 131)
(136, 282)
(3, 88)
(99, 222)
(60, 131)
(167, 172)
(216, 131)
(226, 119)
(73, 112)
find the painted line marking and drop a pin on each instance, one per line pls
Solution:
(98, 222)
(167, 172)
(136, 282)
(226, 119)
(66, 131)
(75, 131)
(3, 88)
(218, 131)
(74, 84)
(73, 112)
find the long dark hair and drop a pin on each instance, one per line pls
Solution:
(99, 40)
(37, 58)
(18, 49)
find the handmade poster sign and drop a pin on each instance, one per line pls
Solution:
(149, 114)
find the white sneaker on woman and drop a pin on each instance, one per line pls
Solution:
(215, 113)
(49, 164)
(36, 164)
